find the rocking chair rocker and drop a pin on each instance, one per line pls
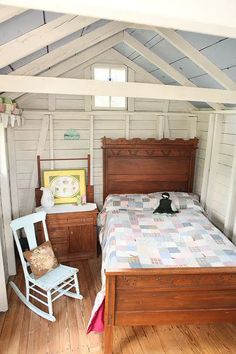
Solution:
(59, 280)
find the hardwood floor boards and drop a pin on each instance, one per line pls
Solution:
(23, 332)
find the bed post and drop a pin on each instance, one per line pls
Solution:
(109, 313)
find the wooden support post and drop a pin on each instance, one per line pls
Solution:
(3, 280)
(6, 210)
(214, 162)
(12, 170)
(89, 171)
(160, 127)
(166, 127)
(192, 121)
(231, 207)
(130, 100)
(207, 162)
(88, 98)
(51, 141)
(51, 108)
(91, 140)
(166, 119)
(127, 123)
(33, 181)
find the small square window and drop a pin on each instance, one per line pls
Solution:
(110, 73)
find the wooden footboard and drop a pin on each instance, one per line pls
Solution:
(168, 296)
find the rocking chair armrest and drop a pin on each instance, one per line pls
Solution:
(28, 274)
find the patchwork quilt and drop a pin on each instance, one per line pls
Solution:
(132, 236)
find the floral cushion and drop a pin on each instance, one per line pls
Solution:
(41, 259)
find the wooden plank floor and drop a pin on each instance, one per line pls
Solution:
(23, 332)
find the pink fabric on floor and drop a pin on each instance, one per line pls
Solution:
(97, 322)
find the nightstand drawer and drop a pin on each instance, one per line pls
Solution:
(81, 221)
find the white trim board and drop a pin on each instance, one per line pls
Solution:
(210, 17)
(32, 84)
(29, 113)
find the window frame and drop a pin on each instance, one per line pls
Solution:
(109, 66)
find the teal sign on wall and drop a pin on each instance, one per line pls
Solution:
(71, 134)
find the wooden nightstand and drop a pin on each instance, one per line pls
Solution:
(73, 234)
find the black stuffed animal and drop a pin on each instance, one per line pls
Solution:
(165, 205)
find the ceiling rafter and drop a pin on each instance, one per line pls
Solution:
(156, 60)
(151, 78)
(197, 57)
(68, 64)
(40, 37)
(7, 12)
(51, 85)
(75, 61)
(65, 69)
(162, 64)
(135, 66)
(210, 17)
(28, 40)
(71, 73)
(68, 50)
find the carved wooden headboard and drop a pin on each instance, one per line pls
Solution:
(145, 166)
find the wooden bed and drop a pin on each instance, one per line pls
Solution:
(166, 295)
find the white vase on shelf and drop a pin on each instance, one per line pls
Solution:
(47, 200)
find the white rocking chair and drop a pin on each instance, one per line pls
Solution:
(57, 282)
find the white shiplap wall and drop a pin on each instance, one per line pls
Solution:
(221, 190)
(114, 126)
(70, 113)
(217, 202)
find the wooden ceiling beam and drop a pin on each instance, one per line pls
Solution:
(210, 17)
(50, 85)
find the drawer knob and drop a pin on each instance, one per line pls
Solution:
(71, 232)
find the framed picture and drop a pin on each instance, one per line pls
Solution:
(68, 186)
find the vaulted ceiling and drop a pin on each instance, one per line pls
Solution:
(169, 56)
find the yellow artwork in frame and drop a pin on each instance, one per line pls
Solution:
(67, 186)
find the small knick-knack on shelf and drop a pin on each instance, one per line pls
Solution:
(47, 200)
